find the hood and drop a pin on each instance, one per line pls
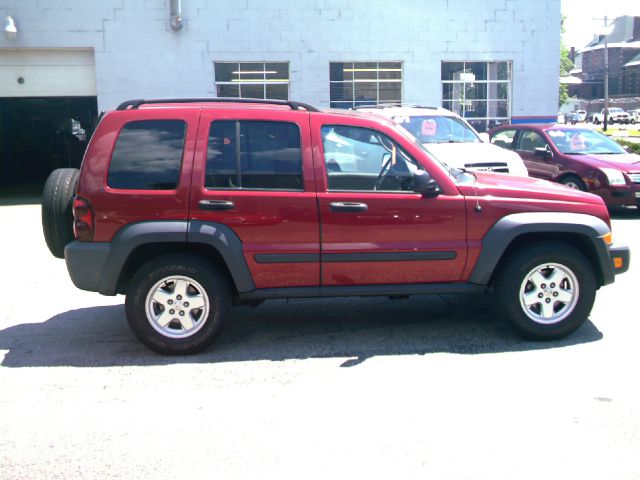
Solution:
(622, 161)
(462, 154)
(508, 186)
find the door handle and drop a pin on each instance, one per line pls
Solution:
(348, 207)
(216, 205)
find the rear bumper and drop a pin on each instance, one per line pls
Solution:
(86, 264)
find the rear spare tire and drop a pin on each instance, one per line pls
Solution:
(57, 204)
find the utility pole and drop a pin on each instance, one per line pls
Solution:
(606, 72)
(606, 76)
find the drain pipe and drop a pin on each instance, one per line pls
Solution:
(175, 19)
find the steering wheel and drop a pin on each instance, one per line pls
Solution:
(383, 172)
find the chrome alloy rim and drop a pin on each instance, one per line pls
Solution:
(572, 184)
(177, 307)
(549, 293)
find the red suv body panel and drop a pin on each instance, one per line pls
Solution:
(116, 208)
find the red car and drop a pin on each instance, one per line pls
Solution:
(191, 206)
(577, 157)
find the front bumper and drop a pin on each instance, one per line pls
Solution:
(620, 257)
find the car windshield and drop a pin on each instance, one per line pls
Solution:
(438, 129)
(615, 110)
(583, 142)
(407, 134)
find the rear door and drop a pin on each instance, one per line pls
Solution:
(253, 172)
(375, 229)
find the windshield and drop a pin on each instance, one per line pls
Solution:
(583, 142)
(438, 129)
(443, 166)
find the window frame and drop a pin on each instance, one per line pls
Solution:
(486, 83)
(362, 65)
(264, 81)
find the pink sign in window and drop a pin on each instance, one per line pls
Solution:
(428, 128)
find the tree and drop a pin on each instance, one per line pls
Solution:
(566, 65)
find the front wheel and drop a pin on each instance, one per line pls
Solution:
(177, 304)
(547, 291)
(574, 182)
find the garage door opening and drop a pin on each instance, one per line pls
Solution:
(38, 135)
(48, 110)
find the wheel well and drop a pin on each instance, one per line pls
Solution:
(577, 241)
(144, 253)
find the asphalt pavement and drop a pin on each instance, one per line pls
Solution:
(426, 387)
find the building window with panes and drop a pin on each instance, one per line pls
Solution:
(264, 80)
(478, 91)
(354, 84)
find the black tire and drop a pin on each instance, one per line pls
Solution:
(578, 285)
(573, 181)
(596, 121)
(57, 205)
(201, 281)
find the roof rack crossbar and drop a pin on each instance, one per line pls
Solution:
(135, 104)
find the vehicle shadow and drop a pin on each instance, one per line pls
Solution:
(353, 328)
(621, 213)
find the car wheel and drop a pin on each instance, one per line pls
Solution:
(574, 182)
(177, 304)
(547, 291)
(57, 209)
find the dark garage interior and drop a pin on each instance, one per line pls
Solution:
(38, 135)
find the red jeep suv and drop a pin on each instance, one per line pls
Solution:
(189, 206)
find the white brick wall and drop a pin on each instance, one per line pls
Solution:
(137, 55)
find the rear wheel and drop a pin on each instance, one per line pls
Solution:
(177, 304)
(547, 291)
(57, 206)
(574, 182)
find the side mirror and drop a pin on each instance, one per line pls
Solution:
(425, 185)
(543, 152)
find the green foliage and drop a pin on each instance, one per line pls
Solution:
(632, 147)
(566, 65)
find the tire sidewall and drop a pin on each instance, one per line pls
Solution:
(186, 266)
(520, 265)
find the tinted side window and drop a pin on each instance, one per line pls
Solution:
(254, 154)
(148, 155)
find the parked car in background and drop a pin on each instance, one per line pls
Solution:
(634, 116)
(571, 118)
(577, 157)
(582, 115)
(451, 139)
(615, 115)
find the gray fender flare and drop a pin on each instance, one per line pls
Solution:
(507, 229)
(218, 236)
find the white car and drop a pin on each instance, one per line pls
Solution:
(452, 140)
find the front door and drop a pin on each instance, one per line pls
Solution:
(375, 229)
(538, 163)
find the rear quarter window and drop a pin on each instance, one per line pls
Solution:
(148, 155)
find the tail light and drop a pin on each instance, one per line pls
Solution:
(83, 220)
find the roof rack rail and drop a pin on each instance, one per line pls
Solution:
(394, 105)
(135, 104)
